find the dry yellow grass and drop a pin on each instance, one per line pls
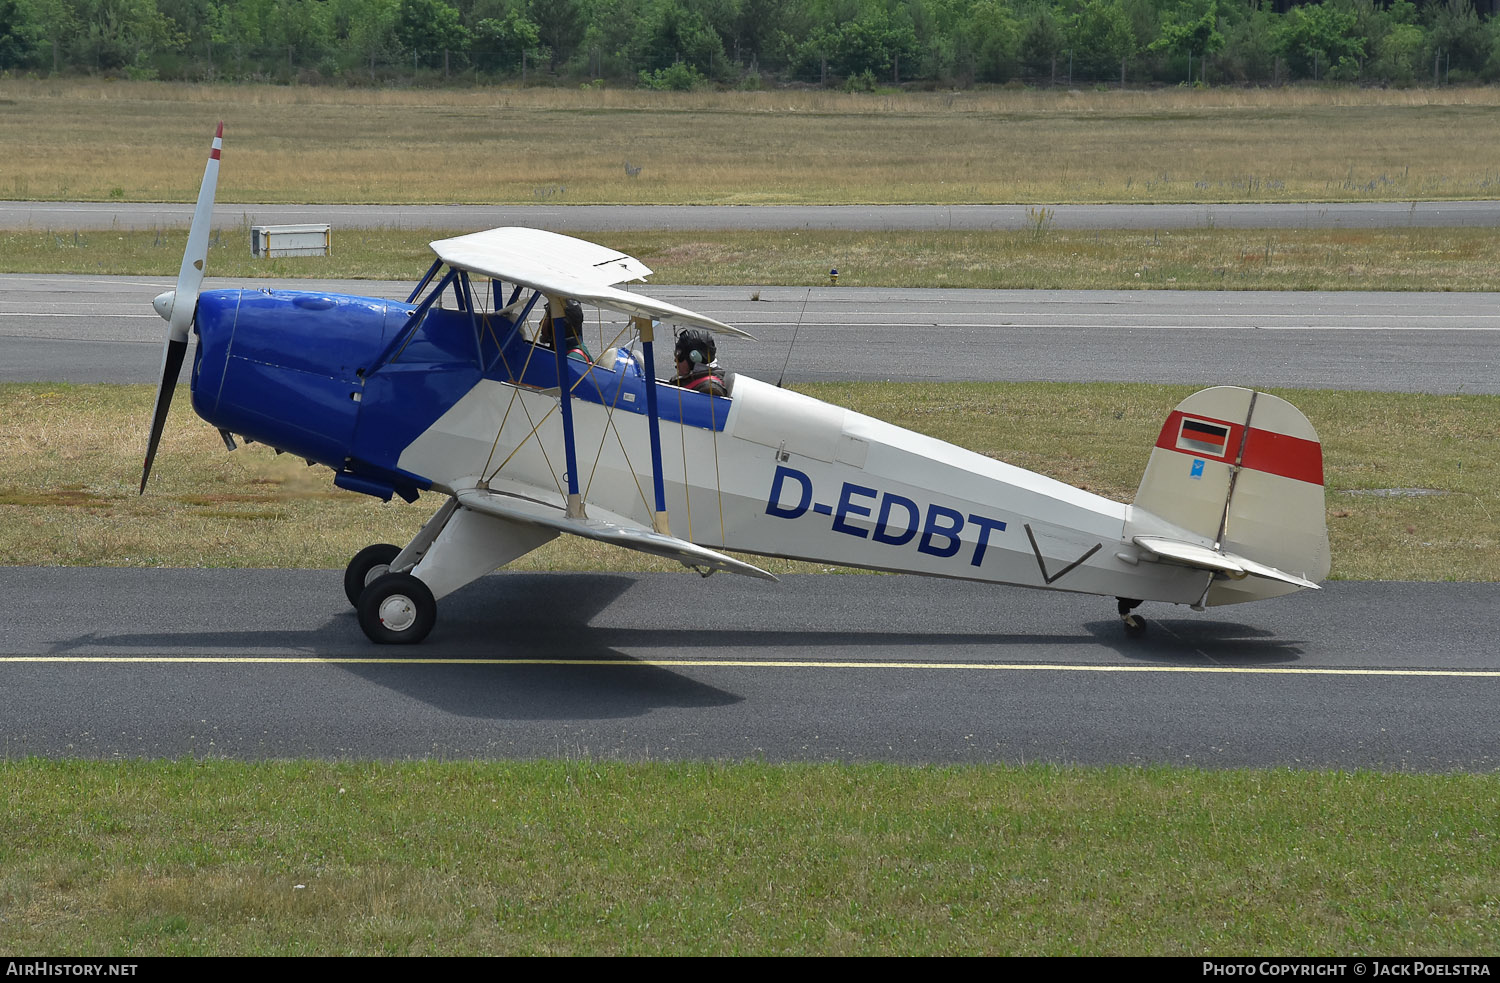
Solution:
(1197, 259)
(70, 460)
(135, 140)
(70, 464)
(790, 99)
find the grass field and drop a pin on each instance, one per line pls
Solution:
(70, 465)
(590, 858)
(146, 141)
(1037, 258)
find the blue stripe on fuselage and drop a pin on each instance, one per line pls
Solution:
(443, 360)
(621, 385)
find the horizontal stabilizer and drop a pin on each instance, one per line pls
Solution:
(562, 266)
(1204, 558)
(602, 526)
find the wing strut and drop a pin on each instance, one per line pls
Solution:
(557, 311)
(408, 330)
(653, 424)
(437, 264)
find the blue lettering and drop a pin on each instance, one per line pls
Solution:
(846, 507)
(985, 525)
(940, 531)
(773, 504)
(933, 531)
(883, 522)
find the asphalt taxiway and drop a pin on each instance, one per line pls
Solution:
(102, 329)
(270, 664)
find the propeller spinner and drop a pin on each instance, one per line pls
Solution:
(179, 306)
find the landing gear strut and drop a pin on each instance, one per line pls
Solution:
(1135, 625)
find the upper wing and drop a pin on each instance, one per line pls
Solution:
(563, 266)
(505, 501)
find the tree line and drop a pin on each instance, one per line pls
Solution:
(683, 44)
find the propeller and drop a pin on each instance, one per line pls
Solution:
(179, 306)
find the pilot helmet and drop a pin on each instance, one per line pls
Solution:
(573, 320)
(695, 347)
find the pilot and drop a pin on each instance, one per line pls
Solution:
(697, 363)
(573, 323)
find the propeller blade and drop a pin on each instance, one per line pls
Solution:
(180, 305)
(171, 366)
(195, 256)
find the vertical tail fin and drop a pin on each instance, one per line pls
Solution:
(1241, 473)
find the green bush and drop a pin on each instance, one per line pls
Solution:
(680, 77)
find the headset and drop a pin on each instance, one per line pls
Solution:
(695, 347)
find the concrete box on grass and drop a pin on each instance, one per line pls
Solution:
(290, 240)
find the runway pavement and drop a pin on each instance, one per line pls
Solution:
(102, 329)
(264, 663)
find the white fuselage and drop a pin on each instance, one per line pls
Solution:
(791, 476)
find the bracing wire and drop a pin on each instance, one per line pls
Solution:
(794, 338)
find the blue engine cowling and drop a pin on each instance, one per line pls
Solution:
(287, 368)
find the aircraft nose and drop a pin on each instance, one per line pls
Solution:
(163, 304)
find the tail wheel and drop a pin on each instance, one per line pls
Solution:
(397, 609)
(368, 566)
(1135, 625)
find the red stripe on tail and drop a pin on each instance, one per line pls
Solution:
(1290, 457)
(1265, 450)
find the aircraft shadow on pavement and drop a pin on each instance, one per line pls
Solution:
(1196, 643)
(547, 618)
(552, 618)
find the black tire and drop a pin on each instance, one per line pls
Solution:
(368, 566)
(1135, 625)
(397, 609)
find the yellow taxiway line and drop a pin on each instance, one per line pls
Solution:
(737, 664)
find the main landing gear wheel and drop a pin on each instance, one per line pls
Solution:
(1135, 625)
(368, 566)
(397, 609)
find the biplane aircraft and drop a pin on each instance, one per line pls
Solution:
(457, 391)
